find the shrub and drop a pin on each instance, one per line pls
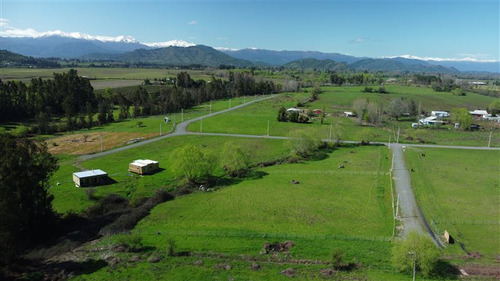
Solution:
(90, 193)
(132, 241)
(416, 250)
(337, 258)
(171, 247)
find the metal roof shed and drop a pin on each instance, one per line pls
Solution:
(90, 178)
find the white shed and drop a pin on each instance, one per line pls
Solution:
(90, 178)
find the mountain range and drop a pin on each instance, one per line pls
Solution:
(177, 52)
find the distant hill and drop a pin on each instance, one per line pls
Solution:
(64, 47)
(10, 59)
(279, 58)
(400, 64)
(199, 54)
(317, 64)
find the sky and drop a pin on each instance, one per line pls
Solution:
(460, 29)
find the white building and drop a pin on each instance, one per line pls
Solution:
(439, 113)
(143, 166)
(431, 121)
(90, 178)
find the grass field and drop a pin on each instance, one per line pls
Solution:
(119, 133)
(68, 198)
(348, 209)
(253, 119)
(114, 83)
(459, 190)
(100, 73)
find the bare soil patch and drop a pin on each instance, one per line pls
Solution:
(87, 143)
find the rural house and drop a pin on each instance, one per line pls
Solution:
(90, 178)
(143, 167)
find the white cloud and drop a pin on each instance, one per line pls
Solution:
(4, 23)
(193, 22)
(358, 40)
(463, 59)
(176, 43)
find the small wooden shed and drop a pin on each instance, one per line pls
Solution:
(90, 178)
(143, 167)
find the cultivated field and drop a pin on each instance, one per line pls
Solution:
(99, 73)
(459, 191)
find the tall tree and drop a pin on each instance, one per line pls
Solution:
(462, 117)
(194, 164)
(396, 108)
(25, 204)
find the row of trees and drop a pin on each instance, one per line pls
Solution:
(71, 97)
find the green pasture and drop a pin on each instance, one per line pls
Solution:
(151, 124)
(254, 119)
(459, 191)
(343, 97)
(98, 73)
(68, 198)
(348, 209)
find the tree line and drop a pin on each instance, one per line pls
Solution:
(72, 98)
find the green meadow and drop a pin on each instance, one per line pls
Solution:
(68, 198)
(254, 119)
(347, 209)
(459, 191)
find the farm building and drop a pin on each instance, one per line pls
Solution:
(142, 167)
(478, 113)
(349, 114)
(431, 121)
(438, 113)
(90, 178)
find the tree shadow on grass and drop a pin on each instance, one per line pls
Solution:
(227, 181)
(86, 267)
(445, 270)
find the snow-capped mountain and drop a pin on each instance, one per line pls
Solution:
(174, 43)
(63, 44)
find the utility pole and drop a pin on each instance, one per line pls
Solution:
(390, 141)
(489, 141)
(268, 128)
(397, 140)
(397, 207)
(201, 125)
(182, 114)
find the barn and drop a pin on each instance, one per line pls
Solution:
(90, 178)
(142, 167)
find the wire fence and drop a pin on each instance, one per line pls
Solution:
(267, 235)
